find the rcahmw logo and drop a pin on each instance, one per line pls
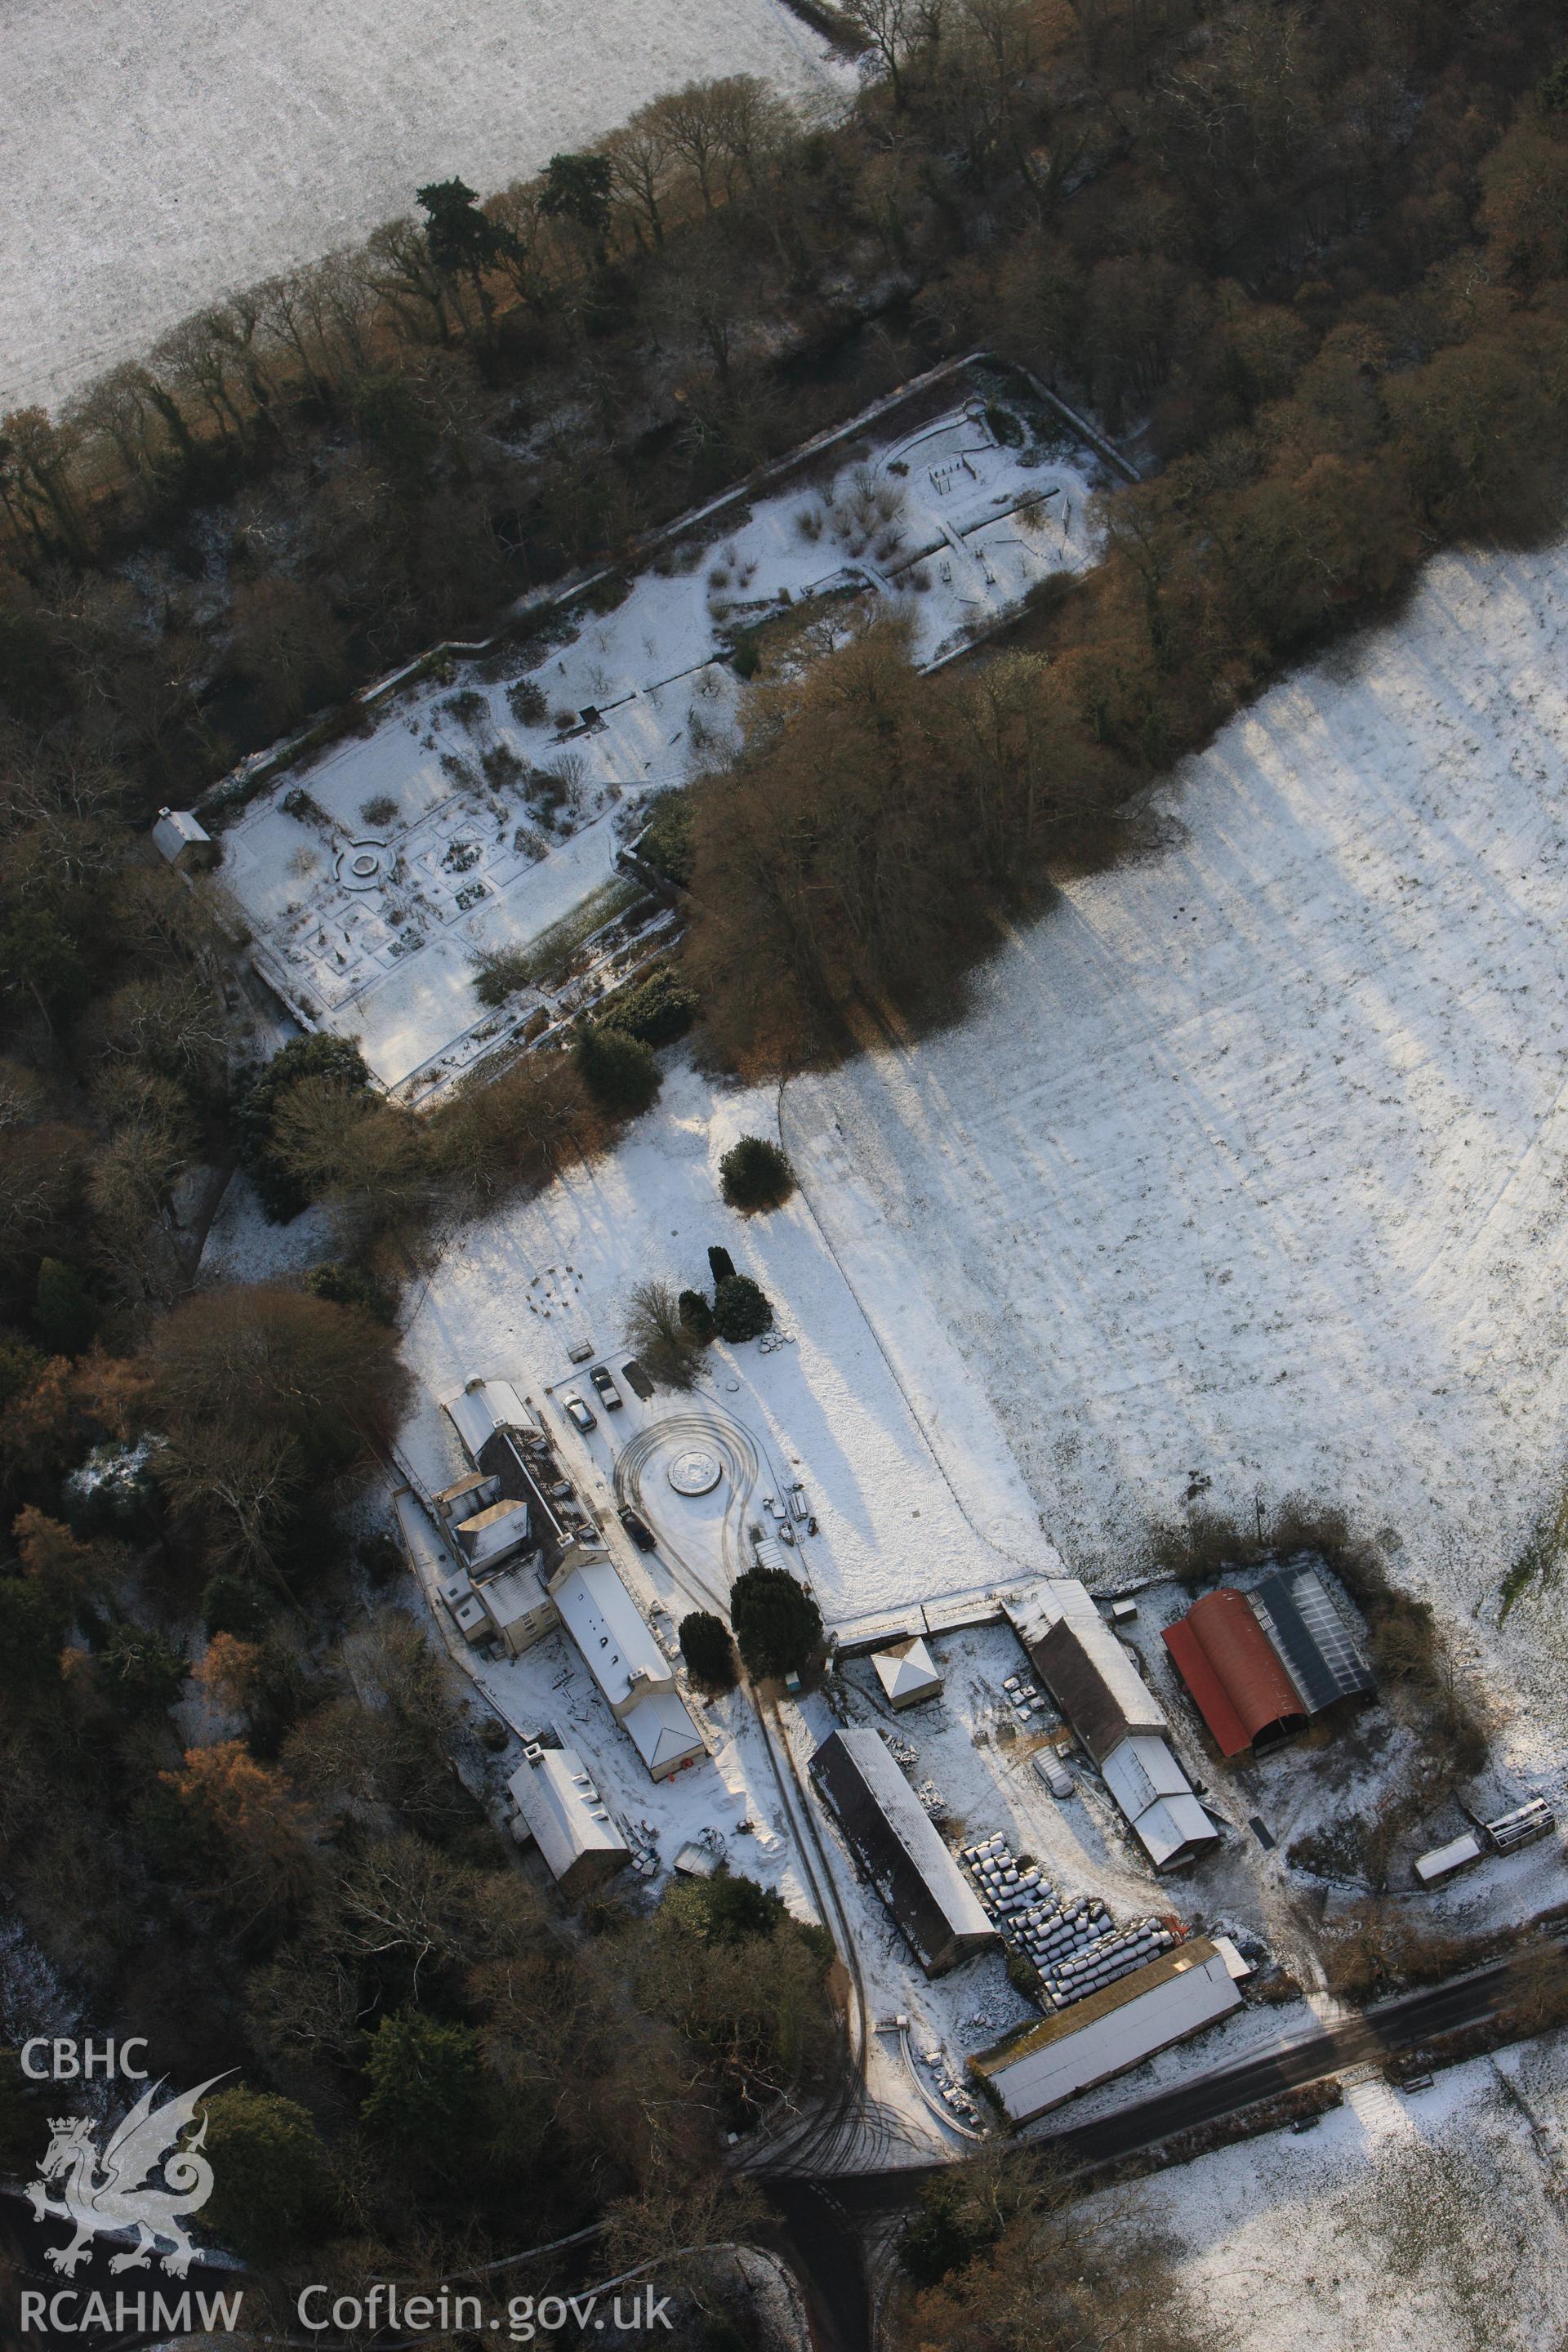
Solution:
(69, 2311)
(144, 2186)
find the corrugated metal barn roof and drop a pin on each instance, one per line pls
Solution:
(1295, 1609)
(1233, 1672)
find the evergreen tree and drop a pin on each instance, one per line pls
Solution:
(461, 239)
(233, 1604)
(423, 2078)
(740, 1309)
(321, 1055)
(268, 2171)
(736, 1908)
(696, 1317)
(577, 188)
(657, 1011)
(39, 958)
(706, 1646)
(32, 1628)
(755, 1174)
(620, 1074)
(392, 421)
(346, 1285)
(777, 1623)
(141, 1672)
(65, 1312)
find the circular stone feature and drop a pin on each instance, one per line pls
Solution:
(695, 1472)
(363, 865)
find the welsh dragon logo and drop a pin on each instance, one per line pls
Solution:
(114, 2195)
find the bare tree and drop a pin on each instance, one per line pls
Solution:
(403, 273)
(35, 460)
(287, 639)
(706, 296)
(346, 1145)
(1535, 1985)
(197, 360)
(640, 156)
(694, 121)
(244, 1482)
(891, 29)
(1048, 2270)
(663, 1343)
(119, 408)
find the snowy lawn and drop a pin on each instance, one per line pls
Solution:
(825, 1408)
(1250, 1159)
(161, 153)
(1403, 2221)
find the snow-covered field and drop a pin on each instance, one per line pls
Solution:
(159, 153)
(1250, 1159)
(1403, 2221)
(949, 526)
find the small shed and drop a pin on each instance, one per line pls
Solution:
(182, 839)
(1445, 1862)
(1527, 1821)
(908, 1673)
(1157, 1798)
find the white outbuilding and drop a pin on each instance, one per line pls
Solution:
(559, 1807)
(1445, 1862)
(182, 838)
(907, 1673)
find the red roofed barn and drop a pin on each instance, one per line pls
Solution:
(1233, 1673)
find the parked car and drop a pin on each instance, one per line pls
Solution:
(637, 1527)
(609, 1394)
(577, 1412)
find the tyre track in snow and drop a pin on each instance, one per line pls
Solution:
(741, 1456)
(828, 2139)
